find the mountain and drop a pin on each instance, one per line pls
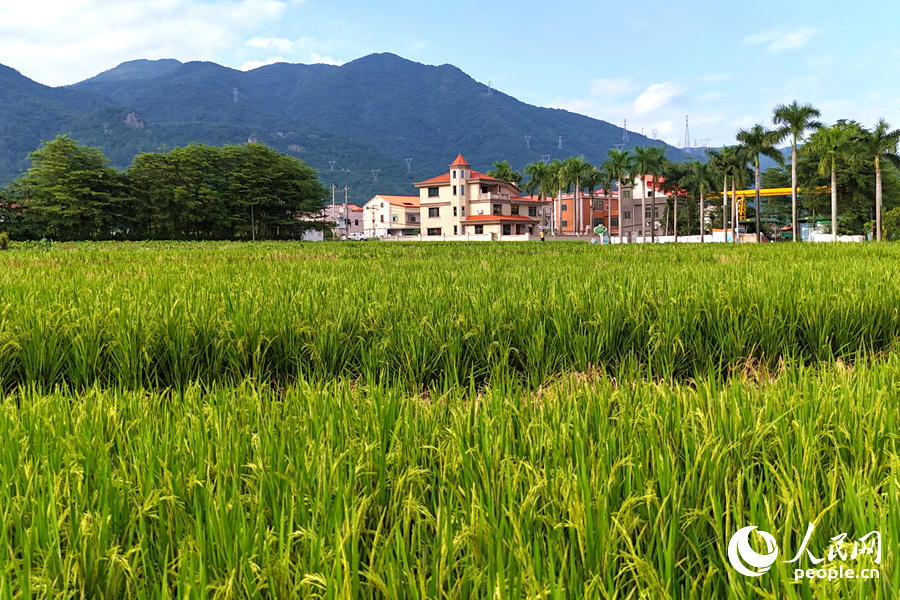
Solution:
(377, 124)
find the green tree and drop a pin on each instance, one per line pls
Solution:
(829, 144)
(758, 140)
(795, 120)
(618, 166)
(880, 143)
(575, 170)
(73, 192)
(656, 164)
(641, 166)
(504, 172)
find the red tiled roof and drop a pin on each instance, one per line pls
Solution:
(400, 200)
(445, 178)
(459, 161)
(354, 207)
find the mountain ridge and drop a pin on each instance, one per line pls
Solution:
(378, 123)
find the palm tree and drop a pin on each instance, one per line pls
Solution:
(759, 140)
(828, 143)
(736, 166)
(881, 143)
(795, 120)
(640, 167)
(575, 170)
(701, 182)
(504, 172)
(618, 165)
(542, 179)
(719, 164)
(656, 165)
(676, 175)
(592, 179)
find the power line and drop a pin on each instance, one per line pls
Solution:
(375, 173)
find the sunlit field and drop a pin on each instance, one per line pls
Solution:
(485, 420)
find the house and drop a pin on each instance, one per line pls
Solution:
(386, 215)
(464, 202)
(654, 207)
(348, 219)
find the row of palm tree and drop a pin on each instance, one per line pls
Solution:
(844, 140)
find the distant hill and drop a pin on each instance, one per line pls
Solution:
(354, 123)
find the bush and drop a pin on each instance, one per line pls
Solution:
(4, 240)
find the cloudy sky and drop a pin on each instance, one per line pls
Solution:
(725, 65)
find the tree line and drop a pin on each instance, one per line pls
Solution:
(845, 170)
(189, 193)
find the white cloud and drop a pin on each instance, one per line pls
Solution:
(255, 64)
(81, 38)
(656, 97)
(782, 38)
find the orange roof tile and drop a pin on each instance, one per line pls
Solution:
(459, 161)
(400, 200)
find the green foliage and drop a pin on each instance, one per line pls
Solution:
(196, 192)
(201, 420)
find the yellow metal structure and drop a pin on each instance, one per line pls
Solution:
(742, 209)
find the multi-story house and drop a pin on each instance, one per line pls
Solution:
(466, 202)
(391, 215)
(654, 206)
(348, 219)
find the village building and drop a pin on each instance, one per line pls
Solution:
(464, 202)
(386, 215)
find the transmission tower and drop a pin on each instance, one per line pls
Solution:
(235, 95)
(375, 173)
(687, 139)
(655, 134)
(625, 130)
(545, 158)
(528, 141)
(620, 147)
(703, 143)
(331, 164)
(560, 141)
(409, 165)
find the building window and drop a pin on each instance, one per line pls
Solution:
(648, 210)
(532, 211)
(464, 230)
(479, 229)
(598, 204)
(382, 218)
(565, 207)
(434, 212)
(626, 194)
(356, 221)
(565, 223)
(649, 193)
(463, 209)
(454, 190)
(626, 215)
(454, 211)
(507, 229)
(614, 222)
(434, 231)
(462, 190)
(498, 209)
(655, 212)
(394, 218)
(514, 209)
(454, 174)
(454, 230)
(434, 192)
(597, 221)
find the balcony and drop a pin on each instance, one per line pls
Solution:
(491, 196)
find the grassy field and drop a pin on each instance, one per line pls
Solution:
(443, 420)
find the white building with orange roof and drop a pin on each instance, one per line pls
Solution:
(386, 215)
(464, 202)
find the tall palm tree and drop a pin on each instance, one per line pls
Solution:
(593, 179)
(699, 182)
(828, 143)
(882, 144)
(676, 176)
(656, 166)
(719, 165)
(759, 140)
(640, 167)
(576, 169)
(736, 165)
(795, 120)
(618, 165)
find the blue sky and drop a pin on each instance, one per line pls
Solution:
(724, 65)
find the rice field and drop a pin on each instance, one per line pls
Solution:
(443, 420)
